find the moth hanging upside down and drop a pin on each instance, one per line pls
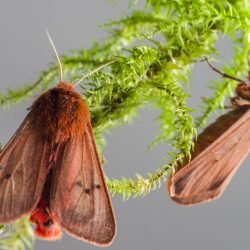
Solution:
(50, 170)
(218, 153)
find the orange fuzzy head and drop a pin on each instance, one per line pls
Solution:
(69, 119)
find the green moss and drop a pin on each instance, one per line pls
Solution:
(154, 48)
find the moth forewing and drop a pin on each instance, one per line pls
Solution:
(218, 153)
(79, 197)
(17, 174)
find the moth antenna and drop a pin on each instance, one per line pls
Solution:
(92, 72)
(224, 75)
(57, 56)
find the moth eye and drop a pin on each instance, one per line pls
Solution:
(48, 223)
(7, 176)
(87, 190)
(97, 186)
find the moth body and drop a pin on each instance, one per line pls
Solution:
(53, 153)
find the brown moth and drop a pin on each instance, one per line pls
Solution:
(50, 170)
(218, 153)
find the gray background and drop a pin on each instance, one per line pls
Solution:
(153, 222)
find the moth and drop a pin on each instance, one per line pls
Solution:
(50, 170)
(218, 152)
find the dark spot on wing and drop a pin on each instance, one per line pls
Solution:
(48, 223)
(87, 190)
(7, 176)
(97, 186)
(79, 183)
(215, 185)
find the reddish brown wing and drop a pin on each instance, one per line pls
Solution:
(79, 196)
(23, 169)
(219, 151)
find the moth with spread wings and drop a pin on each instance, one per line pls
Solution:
(219, 150)
(51, 171)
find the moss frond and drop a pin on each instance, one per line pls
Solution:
(17, 236)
